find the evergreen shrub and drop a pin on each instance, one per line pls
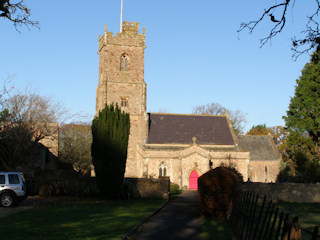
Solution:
(110, 132)
(174, 189)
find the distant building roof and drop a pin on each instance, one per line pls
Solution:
(180, 129)
(260, 147)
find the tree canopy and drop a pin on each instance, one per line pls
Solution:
(237, 118)
(303, 117)
(277, 14)
(278, 133)
(259, 129)
(75, 146)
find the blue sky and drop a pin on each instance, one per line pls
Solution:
(194, 54)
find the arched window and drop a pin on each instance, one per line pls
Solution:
(124, 102)
(162, 169)
(124, 63)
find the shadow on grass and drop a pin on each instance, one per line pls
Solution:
(79, 219)
(214, 228)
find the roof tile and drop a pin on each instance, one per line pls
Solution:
(180, 129)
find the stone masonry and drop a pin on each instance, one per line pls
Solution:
(116, 84)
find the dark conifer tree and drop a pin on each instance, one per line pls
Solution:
(303, 119)
(110, 132)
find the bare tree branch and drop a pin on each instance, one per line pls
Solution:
(309, 42)
(237, 118)
(278, 26)
(17, 12)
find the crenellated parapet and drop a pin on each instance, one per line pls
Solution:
(128, 37)
(130, 27)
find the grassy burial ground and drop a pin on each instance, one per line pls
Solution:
(308, 213)
(88, 219)
(215, 228)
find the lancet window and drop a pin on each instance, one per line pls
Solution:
(124, 63)
(162, 169)
(124, 102)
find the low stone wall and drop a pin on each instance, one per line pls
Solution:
(288, 192)
(152, 188)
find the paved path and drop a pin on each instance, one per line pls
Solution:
(179, 219)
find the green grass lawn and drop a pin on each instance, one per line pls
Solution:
(308, 213)
(214, 228)
(77, 219)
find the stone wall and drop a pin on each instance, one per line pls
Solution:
(288, 192)
(43, 155)
(152, 188)
(264, 171)
(51, 142)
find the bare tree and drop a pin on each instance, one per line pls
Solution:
(26, 119)
(210, 108)
(237, 118)
(75, 146)
(5, 90)
(306, 44)
(162, 110)
(35, 113)
(16, 12)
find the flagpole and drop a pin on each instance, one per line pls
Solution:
(121, 16)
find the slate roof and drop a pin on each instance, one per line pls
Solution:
(180, 129)
(260, 147)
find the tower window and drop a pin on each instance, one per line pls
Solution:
(124, 102)
(124, 63)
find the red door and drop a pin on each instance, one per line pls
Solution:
(193, 180)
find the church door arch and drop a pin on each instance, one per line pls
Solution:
(193, 180)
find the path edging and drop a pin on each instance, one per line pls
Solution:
(134, 229)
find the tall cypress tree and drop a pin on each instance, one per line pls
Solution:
(110, 132)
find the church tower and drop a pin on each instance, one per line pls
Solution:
(121, 81)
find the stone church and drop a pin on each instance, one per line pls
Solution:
(180, 146)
